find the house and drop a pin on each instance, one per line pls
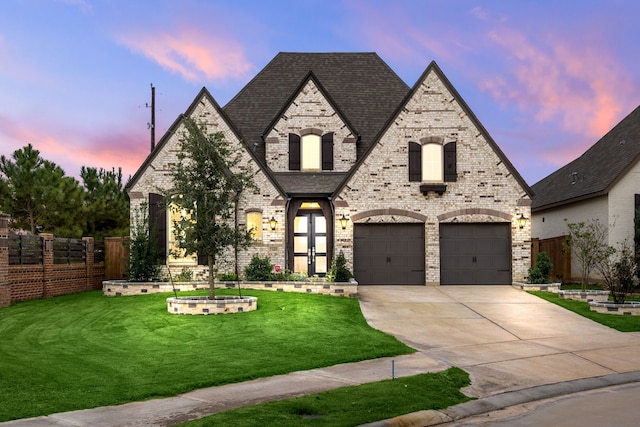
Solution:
(405, 181)
(602, 184)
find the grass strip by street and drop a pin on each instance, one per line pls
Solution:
(349, 406)
(85, 350)
(615, 321)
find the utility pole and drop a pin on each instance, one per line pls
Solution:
(152, 125)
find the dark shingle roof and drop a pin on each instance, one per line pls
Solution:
(596, 171)
(309, 184)
(363, 87)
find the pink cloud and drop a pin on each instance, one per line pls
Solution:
(72, 149)
(191, 53)
(572, 82)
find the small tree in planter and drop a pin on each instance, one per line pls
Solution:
(540, 273)
(207, 185)
(587, 242)
(618, 271)
(636, 240)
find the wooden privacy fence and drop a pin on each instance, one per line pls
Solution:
(43, 266)
(560, 257)
(116, 255)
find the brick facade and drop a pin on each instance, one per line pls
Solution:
(378, 190)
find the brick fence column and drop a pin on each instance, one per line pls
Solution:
(89, 261)
(47, 263)
(5, 289)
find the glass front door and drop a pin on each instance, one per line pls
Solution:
(310, 244)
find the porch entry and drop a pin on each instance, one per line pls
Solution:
(310, 236)
(310, 244)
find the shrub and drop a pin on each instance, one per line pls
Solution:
(339, 271)
(228, 277)
(259, 269)
(540, 273)
(185, 275)
(144, 255)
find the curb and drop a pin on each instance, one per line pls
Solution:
(504, 400)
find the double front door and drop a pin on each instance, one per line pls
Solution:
(310, 244)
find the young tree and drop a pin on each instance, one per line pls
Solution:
(145, 262)
(617, 270)
(38, 195)
(588, 242)
(208, 182)
(106, 201)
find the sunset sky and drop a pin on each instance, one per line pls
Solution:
(546, 78)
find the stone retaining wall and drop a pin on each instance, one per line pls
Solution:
(204, 305)
(122, 288)
(628, 309)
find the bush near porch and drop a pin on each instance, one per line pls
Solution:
(83, 350)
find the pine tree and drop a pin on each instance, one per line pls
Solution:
(38, 196)
(106, 201)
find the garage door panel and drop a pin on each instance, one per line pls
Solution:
(475, 253)
(389, 254)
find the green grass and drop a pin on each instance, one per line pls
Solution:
(616, 321)
(85, 350)
(351, 406)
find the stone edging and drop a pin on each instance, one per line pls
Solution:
(122, 288)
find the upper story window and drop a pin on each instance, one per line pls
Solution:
(432, 161)
(311, 152)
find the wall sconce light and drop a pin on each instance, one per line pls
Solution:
(343, 222)
(273, 223)
(522, 221)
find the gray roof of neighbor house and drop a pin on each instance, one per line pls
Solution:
(595, 172)
(361, 85)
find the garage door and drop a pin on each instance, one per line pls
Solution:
(475, 254)
(388, 254)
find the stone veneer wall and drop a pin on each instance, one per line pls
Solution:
(485, 190)
(266, 199)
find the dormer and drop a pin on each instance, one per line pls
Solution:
(310, 135)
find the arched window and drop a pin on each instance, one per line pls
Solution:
(311, 152)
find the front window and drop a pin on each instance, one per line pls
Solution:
(432, 162)
(254, 224)
(310, 152)
(177, 255)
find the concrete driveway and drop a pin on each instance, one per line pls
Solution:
(505, 338)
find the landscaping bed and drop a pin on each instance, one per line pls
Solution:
(124, 288)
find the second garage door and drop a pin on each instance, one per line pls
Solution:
(475, 254)
(388, 254)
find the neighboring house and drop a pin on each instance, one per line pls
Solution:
(405, 181)
(602, 184)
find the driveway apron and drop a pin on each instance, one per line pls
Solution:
(505, 338)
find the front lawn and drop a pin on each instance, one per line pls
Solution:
(351, 406)
(85, 350)
(616, 321)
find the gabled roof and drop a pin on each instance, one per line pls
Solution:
(176, 124)
(595, 172)
(433, 67)
(362, 86)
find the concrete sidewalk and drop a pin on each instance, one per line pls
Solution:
(516, 347)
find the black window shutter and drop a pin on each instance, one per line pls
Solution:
(158, 222)
(203, 260)
(415, 162)
(294, 152)
(327, 151)
(450, 168)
